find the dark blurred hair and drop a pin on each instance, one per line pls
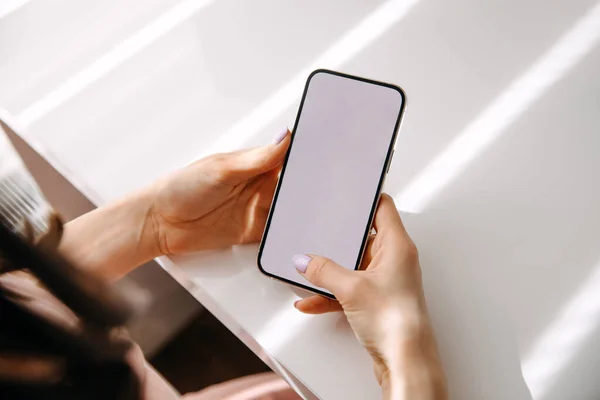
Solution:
(61, 334)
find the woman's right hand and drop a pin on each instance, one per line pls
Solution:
(385, 306)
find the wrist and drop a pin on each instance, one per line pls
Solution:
(412, 368)
(417, 374)
(156, 225)
(420, 380)
(114, 239)
(151, 229)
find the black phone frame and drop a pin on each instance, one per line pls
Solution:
(375, 203)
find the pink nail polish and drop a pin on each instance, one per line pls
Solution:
(280, 136)
(301, 262)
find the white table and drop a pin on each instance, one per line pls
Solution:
(497, 162)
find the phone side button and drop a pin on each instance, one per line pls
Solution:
(391, 160)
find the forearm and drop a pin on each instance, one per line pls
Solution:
(112, 240)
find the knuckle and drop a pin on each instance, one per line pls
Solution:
(387, 197)
(387, 200)
(221, 167)
(224, 160)
(411, 253)
(220, 176)
(217, 158)
(317, 271)
(410, 266)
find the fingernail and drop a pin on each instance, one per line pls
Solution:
(301, 262)
(280, 136)
(296, 303)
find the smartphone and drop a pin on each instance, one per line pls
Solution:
(341, 148)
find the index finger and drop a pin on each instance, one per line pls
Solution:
(244, 164)
(387, 218)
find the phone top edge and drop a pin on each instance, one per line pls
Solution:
(358, 78)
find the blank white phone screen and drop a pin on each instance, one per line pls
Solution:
(344, 131)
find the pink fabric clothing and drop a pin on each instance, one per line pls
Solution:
(265, 386)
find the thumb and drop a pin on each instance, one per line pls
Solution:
(323, 272)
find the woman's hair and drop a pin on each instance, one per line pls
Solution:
(61, 334)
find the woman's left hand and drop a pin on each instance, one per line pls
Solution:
(218, 201)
